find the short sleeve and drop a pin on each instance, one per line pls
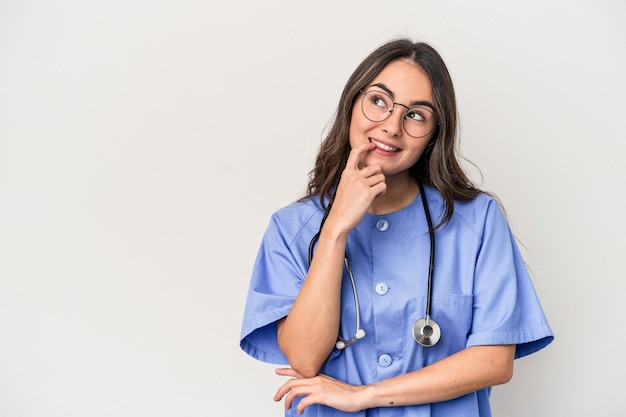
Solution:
(506, 306)
(277, 277)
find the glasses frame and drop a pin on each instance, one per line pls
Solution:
(393, 107)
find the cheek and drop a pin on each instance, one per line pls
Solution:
(359, 126)
(417, 153)
(355, 136)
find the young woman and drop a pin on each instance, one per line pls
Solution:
(395, 286)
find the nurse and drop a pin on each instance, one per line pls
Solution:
(391, 148)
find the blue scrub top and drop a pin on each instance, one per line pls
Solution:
(482, 294)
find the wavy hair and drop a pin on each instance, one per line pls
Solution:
(437, 167)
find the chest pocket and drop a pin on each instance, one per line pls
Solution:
(453, 313)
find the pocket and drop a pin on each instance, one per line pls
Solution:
(453, 313)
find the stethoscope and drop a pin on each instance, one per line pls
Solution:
(426, 331)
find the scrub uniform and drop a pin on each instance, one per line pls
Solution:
(482, 295)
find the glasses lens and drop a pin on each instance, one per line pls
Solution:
(376, 106)
(419, 121)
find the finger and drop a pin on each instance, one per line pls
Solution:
(280, 393)
(289, 398)
(283, 390)
(379, 189)
(287, 372)
(371, 170)
(304, 393)
(304, 403)
(292, 393)
(356, 153)
(291, 386)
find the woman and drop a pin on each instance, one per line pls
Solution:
(430, 314)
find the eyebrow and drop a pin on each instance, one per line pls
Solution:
(382, 86)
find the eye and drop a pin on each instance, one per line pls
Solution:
(415, 115)
(379, 100)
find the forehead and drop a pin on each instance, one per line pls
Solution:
(406, 80)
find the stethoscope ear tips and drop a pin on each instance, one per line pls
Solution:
(342, 343)
(426, 332)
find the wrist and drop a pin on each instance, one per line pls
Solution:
(366, 397)
(334, 232)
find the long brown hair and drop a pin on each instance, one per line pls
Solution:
(437, 167)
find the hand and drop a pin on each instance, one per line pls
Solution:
(320, 389)
(357, 189)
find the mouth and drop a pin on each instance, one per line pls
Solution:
(384, 147)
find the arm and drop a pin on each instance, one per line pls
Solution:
(469, 370)
(308, 334)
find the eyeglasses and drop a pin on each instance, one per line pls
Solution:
(418, 121)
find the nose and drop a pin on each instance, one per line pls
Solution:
(394, 123)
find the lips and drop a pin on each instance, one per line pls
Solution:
(383, 146)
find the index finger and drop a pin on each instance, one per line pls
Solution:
(287, 372)
(357, 153)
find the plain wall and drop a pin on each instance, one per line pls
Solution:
(144, 145)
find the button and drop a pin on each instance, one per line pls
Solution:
(382, 288)
(384, 360)
(382, 225)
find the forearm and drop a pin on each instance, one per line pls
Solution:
(308, 334)
(471, 369)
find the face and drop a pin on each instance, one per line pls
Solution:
(408, 85)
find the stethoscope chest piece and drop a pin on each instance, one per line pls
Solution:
(426, 332)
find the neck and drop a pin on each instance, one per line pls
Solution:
(400, 193)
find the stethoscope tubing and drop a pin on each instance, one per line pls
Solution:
(426, 331)
(431, 262)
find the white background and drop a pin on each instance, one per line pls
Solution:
(144, 145)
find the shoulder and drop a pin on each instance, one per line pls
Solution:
(299, 212)
(475, 214)
(484, 216)
(290, 221)
(477, 209)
